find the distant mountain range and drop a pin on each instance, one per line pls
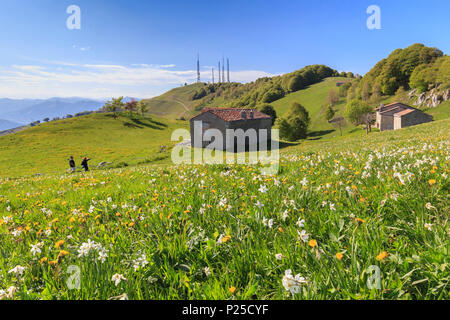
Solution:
(6, 124)
(18, 112)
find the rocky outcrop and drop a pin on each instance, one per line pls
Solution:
(446, 95)
(432, 98)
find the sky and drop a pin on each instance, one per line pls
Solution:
(143, 48)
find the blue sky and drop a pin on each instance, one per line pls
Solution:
(143, 48)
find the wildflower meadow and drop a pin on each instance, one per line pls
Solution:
(349, 222)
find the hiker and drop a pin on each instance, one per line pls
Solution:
(84, 164)
(72, 164)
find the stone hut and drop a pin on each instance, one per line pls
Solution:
(223, 119)
(398, 115)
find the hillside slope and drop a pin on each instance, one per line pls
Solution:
(45, 148)
(313, 99)
(175, 103)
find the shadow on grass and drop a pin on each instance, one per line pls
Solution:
(317, 135)
(281, 145)
(152, 124)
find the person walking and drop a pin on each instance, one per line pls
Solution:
(72, 164)
(84, 164)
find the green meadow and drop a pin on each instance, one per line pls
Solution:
(343, 219)
(118, 141)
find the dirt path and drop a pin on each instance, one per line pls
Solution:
(182, 103)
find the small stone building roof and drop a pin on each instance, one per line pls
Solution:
(234, 114)
(396, 109)
(404, 112)
(393, 107)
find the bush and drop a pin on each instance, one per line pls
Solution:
(269, 110)
(297, 110)
(295, 125)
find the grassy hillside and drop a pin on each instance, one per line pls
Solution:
(334, 213)
(175, 103)
(186, 101)
(313, 99)
(45, 148)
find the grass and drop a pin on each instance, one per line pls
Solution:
(125, 139)
(313, 98)
(333, 212)
(175, 103)
(440, 112)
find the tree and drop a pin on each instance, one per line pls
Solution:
(297, 110)
(344, 88)
(299, 128)
(142, 107)
(295, 125)
(274, 94)
(401, 95)
(338, 122)
(329, 113)
(296, 83)
(332, 97)
(114, 105)
(359, 112)
(376, 92)
(285, 129)
(270, 111)
(365, 91)
(46, 119)
(131, 106)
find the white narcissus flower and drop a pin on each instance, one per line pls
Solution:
(268, 223)
(263, 189)
(36, 248)
(303, 235)
(18, 270)
(207, 271)
(291, 283)
(124, 297)
(117, 278)
(140, 262)
(278, 256)
(259, 204)
(102, 255)
(300, 222)
(8, 294)
(428, 226)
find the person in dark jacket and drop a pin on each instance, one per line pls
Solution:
(84, 164)
(72, 164)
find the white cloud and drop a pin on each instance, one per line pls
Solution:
(62, 79)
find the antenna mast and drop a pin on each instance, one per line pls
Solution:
(219, 72)
(223, 69)
(228, 70)
(212, 70)
(198, 68)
